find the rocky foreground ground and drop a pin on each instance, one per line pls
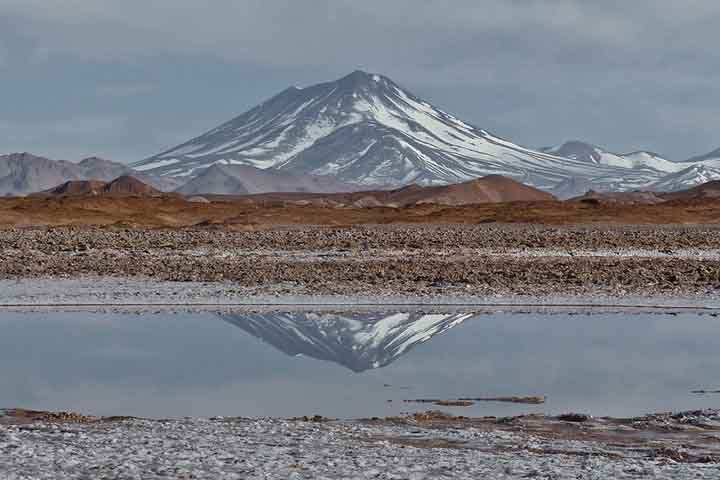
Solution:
(435, 260)
(112, 265)
(431, 445)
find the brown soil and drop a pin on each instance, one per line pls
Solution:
(171, 211)
(44, 416)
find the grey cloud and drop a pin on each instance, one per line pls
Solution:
(627, 75)
(291, 32)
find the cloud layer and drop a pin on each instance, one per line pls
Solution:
(627, 75)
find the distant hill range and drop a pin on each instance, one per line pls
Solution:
(129, 203)
(706, 191)
(486, 190)
(490, 189)
(24, 173)
(124, 185)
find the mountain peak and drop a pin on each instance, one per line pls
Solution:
(360, 75)
(361, 80)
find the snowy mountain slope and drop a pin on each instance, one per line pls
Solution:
(365, 129)
(357, 341)
(692, 176)
(595, 155)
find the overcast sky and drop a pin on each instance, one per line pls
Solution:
(127, 79)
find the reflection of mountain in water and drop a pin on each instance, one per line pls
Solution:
(359, 341)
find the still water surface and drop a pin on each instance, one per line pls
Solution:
(350, 365)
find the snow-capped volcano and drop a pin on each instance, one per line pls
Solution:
(367, 130)
(357, 341)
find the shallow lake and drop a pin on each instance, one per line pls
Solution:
(356, 364)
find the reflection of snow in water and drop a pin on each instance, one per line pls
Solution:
(357, 341)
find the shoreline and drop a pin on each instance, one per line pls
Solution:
(88, 293)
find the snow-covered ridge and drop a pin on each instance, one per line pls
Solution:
(357, 341)
(596, 155)
(689, 177)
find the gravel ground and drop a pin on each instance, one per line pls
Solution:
(422, 261)
(275, 448)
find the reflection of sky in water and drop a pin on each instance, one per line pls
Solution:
(173, 365)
